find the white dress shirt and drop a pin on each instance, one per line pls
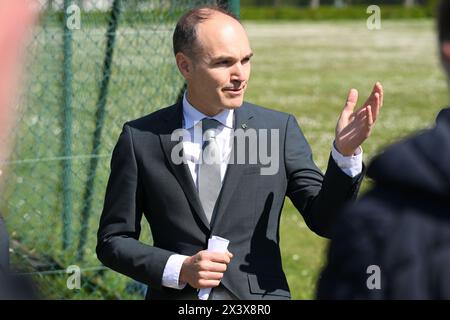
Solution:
(192, 148)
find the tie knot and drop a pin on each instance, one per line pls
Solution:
(208, 124)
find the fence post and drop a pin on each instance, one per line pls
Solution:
(67, 130)
(235, 7)
(99, 121)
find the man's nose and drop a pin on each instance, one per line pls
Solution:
(237, 72)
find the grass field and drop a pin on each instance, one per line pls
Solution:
(305, 69)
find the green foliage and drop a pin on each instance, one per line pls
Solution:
(332, 13)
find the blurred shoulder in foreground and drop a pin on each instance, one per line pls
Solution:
(395, 242)
(399, 231)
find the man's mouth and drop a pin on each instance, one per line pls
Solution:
(235, 90)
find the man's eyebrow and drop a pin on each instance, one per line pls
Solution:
(222, 58)
(230, 57)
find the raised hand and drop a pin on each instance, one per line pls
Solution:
(354, 127)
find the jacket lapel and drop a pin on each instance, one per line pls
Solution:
(181, 171)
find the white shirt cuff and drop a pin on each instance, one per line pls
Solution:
(352, 165)
(171, 274)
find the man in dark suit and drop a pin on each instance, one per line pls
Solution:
(157, 170)
(395, 242)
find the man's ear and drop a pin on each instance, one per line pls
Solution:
(184, 64)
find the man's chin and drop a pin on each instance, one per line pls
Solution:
(233, 103)
(232, 107)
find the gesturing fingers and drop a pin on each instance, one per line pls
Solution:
(376, 96)
(354, 127)
(376, 108)
(370, 118)
(374, 102)
(350, 104)
(364, 122)
(379, 89)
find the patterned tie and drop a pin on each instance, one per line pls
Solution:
(209, 181)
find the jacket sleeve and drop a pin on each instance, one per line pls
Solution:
(118, 245)
(317, 197)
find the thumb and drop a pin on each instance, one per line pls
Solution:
(352, 98)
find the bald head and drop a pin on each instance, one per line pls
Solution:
(185, 36)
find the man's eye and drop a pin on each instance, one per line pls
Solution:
(223, 62)
(246, 60)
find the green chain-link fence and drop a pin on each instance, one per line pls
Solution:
(86, 78)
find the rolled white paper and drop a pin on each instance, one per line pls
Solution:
(215, 244)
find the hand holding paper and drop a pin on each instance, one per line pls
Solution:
(216, 244)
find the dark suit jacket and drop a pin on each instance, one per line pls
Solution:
(144, 180)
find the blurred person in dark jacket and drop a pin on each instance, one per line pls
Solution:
(395, 242)
(16, 17)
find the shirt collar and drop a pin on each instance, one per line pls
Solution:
(192, 116)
